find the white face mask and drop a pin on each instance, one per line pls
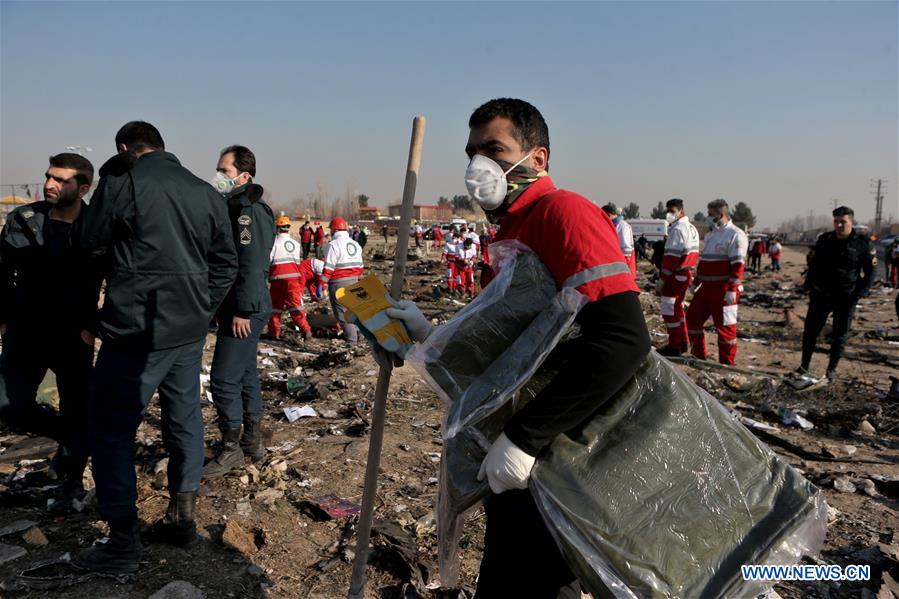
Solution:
(670, 217)
(486, 181)
(222, 183)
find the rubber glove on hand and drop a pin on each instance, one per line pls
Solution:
(406, 311)
(730, 298)
(506, 466)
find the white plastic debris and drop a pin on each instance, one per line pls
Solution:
(294, 413)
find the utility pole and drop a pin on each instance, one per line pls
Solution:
(878, 205)
(835, 202)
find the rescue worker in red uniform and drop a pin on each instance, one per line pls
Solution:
(318, 239)
(676, 274)
(306, 239)
(508, 146)
(343, 267)
(465, 260)
(312, 269)
(625, 236)
(438, 237)
(286, 282)
(720, 278)
(450, 252)
(485, 245)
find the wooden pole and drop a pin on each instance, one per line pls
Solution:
(369, 495)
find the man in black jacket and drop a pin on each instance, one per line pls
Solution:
(234, 379)
(165, 241)
(839, 273)
(48, 305)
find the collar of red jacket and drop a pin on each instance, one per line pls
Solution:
(531, 195)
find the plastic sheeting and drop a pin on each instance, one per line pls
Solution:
(664, 494)
(483, 364)
(661, 494)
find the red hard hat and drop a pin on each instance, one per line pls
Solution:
(338, 224)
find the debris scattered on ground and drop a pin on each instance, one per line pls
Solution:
(179, 589)
(35, 537)
(262, 539)
(333, 507)
(238, 539)
(294, 413)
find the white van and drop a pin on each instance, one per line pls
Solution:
(652, 229)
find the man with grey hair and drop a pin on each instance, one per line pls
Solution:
(720, 283)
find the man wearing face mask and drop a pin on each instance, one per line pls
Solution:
(40, 267)
(625, 235)
(720, 277)
(508, 147)
(234, 380)
(165, 241)
(681, 255)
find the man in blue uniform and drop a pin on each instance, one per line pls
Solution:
(234, 382)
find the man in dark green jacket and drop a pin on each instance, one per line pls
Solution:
(838, 275)
(165, 241)
(48, 308)
(234, 380)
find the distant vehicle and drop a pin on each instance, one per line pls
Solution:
(652, 229)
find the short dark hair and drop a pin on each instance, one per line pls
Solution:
(844, 211)
(675, 203)
(84, 170)
(244, 159)
(719, 204)
(139, 135)
(530, 129)
(610, 208)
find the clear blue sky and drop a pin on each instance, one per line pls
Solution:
(784, 105)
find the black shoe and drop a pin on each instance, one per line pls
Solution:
(228, 456)
(119, 555)
(251, 441)
(669, 351)
(178, 526)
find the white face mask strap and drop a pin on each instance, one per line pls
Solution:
(516, 164)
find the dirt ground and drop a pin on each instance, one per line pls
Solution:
(289, 548)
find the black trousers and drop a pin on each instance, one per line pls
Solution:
(26, 357)
(819, 308)
(307, 249)
(521, 558)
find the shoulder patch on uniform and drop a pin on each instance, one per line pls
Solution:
(27, 213)
(245, 237)
(244, 219)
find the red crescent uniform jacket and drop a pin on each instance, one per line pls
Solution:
(723, 252)
(285, 258)
(343, 258)
(576, 240)
(681, 249)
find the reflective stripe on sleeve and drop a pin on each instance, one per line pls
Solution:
(593, 273)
